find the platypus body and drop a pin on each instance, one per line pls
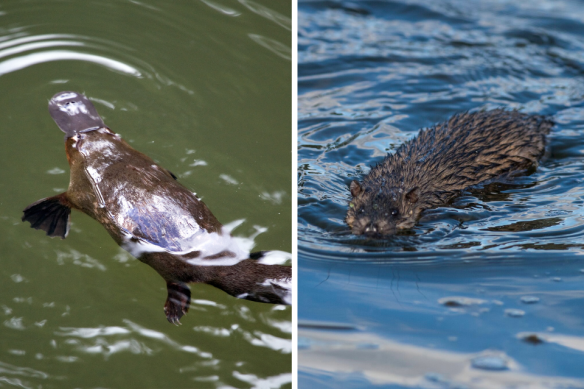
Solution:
(150, 214)
(469, 150)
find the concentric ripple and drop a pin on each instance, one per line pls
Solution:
(30, 53)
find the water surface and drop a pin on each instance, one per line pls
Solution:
(203, 87)
(487, 292)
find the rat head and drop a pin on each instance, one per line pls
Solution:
(74, 113)
(379, 210)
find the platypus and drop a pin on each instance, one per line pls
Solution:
(468, 150)
(150, 214)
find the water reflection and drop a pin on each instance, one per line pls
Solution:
(361, 358)
(465, 314)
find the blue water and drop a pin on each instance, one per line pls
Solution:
(488, 292)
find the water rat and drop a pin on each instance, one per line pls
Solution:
(150, 214)
(428, 171)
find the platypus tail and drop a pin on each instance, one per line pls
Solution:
(252, 280)
(249, 279)
(73, 113)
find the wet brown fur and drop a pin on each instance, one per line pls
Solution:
(469, 149)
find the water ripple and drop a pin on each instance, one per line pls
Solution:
(273, 45)
(370, 78)
(61, 55)
(9, 369)
(277, 381)
(268, 13)
(107, 341)
(25, 51)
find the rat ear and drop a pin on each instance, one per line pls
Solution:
(413, 195)
(355, 188)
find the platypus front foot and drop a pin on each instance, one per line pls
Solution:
(178, 302)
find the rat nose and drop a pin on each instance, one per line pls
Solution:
(371, 229)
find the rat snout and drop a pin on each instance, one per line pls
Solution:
(377, 228)
(371, 229)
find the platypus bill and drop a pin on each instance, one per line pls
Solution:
(150, 214)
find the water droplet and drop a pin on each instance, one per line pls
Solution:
(529, 299)
(490, 362)
(514, 312)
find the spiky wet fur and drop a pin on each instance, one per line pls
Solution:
(469, 149)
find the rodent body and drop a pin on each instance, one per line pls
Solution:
(468, 150)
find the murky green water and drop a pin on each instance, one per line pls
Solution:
(203, 87)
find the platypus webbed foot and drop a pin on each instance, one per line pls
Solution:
(50, 215)
(178, 302)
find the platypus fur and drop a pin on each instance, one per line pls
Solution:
(150, 214)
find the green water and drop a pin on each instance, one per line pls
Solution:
(203, 87)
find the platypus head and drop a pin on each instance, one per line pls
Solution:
(376, 210)
(74, 113)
